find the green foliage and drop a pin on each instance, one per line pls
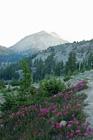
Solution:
(43, 68)
(52, 86)
(83, 69)
(59, 68)
(8, 103)
(11, 100)
(15, 83)
(26, 80)
(66, 77)
(87, 64)
(9, 73)
(28, 59)
(32, 90)
(28, 121)
(71, 63)
(75, 72)
(2, 84)
(40, 68)
(39, 74)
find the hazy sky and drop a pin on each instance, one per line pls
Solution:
(72, 19)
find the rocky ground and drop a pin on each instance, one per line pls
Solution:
(88, 75)
(89, 100)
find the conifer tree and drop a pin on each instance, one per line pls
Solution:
(71, 63)
(26, 80)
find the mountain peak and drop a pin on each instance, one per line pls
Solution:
(40, 40)
(41, 32)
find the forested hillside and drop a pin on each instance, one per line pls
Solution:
(40, 69)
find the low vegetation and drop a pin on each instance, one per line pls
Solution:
(54, 111)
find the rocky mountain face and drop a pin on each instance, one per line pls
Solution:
(61, 52)
(38, 41)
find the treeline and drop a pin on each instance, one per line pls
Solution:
(40, 69)
(12, 57)
(11, 71)
(46, 68)
(50, 67)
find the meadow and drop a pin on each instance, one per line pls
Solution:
(46, 113)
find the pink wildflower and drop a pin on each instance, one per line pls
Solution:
(76, 122)
(72, 131)
(78, 131)
(41, 133)
(83, 124)
(35, 133)
(71, 134)
(80, 134)
(86, 134)
(70, 121)
(67, 137)
(60, 136)
(69, 125)
(84, 119)
(84, 127)
(89, 129)
(53, 126)
(37, 91)
(88, 122)
(78, 105)
(79, 127)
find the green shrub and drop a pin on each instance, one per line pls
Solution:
(15, 83)
(9, 89)
(75, 72)
(32, 91)
(51, 86)
(8, 103)
(26, 79)
(66, 78)
(2, 84)
(11, 100)
(83, 70)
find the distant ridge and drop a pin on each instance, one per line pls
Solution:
(2, 47)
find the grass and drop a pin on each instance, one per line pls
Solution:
(40, 117)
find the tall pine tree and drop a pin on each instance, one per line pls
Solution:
(71, 63)
(26, 80)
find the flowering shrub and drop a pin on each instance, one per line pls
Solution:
(42, 121)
